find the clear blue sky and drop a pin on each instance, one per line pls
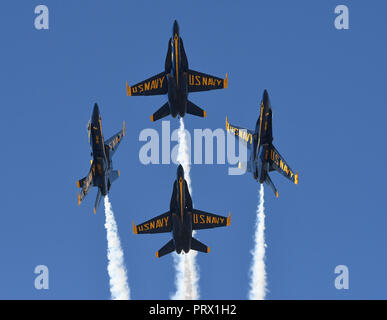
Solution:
(327, 89)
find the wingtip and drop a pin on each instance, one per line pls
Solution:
(296, 178)
(208, 249)
(229, 219)
(135, 229)
(152, 119)
(225, 82)
(157, 254)
(204, 113)
(123, 129)
(79, 199)
(128, 89)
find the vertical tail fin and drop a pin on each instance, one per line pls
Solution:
(198, 246)
(114, 175)
(168, 248)
(97, 200)
(271, 185)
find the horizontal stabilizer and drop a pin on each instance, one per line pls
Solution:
(245, 166)
(168, 248)
(198, 246)
(161, 113)
(195, 110)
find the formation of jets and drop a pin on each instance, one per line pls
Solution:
(177, 80)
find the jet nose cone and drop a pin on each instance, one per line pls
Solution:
(265, 95)
(265, 99)
(175, 28)
(95, 113)
(180, 171)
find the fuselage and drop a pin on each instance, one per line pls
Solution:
(262, 141)
(181, 211)
(102, 164)
(177, 70)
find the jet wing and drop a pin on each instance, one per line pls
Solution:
(159, 224)
(278, 163)
(115, 140)
(198, 81)
(206, 220)
(156, 85)
(245, 134)
(85, 184)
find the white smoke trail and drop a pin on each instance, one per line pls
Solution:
(117, 272)
(187, 274)
(258, 272)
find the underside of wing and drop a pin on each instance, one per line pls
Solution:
(206, 220)
(278, 163)
(85, 184)
(159, 224)
(244, 134)
(198, 81)
(115, 140)
(156, 85)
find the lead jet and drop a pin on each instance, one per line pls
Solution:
(264, 157)
(181, 220)
(101, 173)
(177, 80)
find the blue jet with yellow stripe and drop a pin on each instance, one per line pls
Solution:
(101, 173)
(181, 220)
(177, 80)
(264, 157)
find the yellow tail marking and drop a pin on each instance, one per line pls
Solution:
(177, 58)
(229, 219)
(260, 125)
(225, 82)
(181, 198)
(128, 89)
(135, 229)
